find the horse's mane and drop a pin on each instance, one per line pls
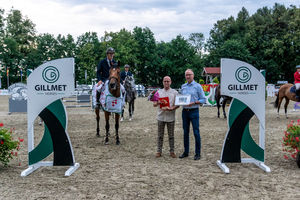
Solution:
(114, 74)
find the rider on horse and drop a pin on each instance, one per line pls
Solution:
(125, 73)
(297, 82)
(104, 66)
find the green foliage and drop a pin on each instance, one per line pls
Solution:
(7, 145)
(201, 81)
(216, 80)
(268, 39)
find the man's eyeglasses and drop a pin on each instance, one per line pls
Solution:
(166, 81)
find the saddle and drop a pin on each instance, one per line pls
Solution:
(297, 92)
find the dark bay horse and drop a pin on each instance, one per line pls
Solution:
(130, 96)
(113, 85)
(218, 97)
(284, 92)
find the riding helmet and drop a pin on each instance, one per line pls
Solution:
(110, 50)
(298, 66)
(126, 66)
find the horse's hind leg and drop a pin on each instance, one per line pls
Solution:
(223, 107)
(285, 106)
(218, 107)
(279, 104)
(98, 120)
(117, 128)
(130, 111)
(106, 127)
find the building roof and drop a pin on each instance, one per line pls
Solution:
(211, 70)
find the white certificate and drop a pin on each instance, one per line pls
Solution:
(182, 100)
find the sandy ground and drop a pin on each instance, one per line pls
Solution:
(131, 171)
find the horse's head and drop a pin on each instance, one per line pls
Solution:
(128, 81)
(114, 79)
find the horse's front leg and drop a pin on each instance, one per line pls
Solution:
(132, 108)
(122, 116)
(106, 127)
(117, 128)
(97, 110)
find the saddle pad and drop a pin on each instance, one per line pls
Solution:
(113, 104)
(293, 89)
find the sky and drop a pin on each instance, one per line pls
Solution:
(165, 18)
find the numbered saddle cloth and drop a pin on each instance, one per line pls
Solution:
(109, 102)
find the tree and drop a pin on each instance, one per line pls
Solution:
(146, 57)
(197, 41)
(88, 54)
(19, 35)
(124, 44)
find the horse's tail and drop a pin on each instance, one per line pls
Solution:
(276, 101)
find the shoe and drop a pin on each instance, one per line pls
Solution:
(173, 155)
(197, 157)
(183, 155)
(158, 155)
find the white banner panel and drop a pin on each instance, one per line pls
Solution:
(47, 83)
(244, 82)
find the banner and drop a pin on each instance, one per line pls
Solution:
(46, 85)
(246, 85)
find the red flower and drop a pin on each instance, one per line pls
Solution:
(2, 142)
(286, 157)
(294, 156)
(1, 124)
(297, 139)
(21, 139)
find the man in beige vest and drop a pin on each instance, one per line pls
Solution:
(166, 116)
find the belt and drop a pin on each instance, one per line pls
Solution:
(190, 109)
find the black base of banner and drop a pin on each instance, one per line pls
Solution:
(61, 146)
(232, 147)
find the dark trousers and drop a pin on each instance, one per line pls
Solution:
(188, 117)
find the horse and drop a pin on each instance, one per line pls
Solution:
(218, 97)
(130, 96)
(110, 95)
(285, 92)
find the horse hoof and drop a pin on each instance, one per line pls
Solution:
(106, 141)
(98, 135)
(117, 142)
(130, 119)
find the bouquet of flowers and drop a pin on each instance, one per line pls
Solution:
(153, 96)
(291, 140)
(8, 145)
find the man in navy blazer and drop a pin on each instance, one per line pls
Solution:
(125, 73)
(104, 66)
